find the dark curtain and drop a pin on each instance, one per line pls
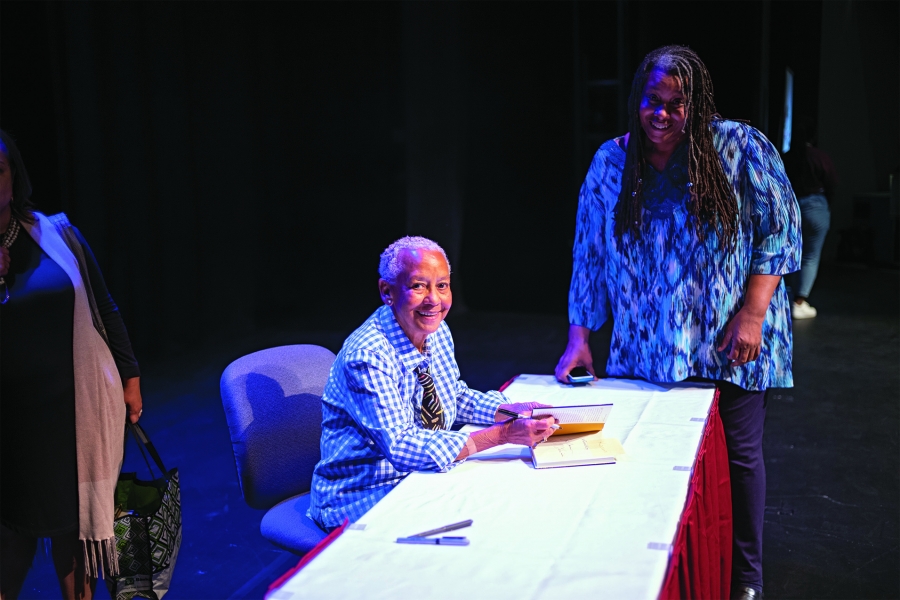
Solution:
(241, 165)
(232, 163)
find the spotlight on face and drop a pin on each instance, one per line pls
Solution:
(663, 111)
(420, 297)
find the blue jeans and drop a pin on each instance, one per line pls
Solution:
(816, 219)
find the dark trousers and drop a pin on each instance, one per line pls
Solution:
(743, 415)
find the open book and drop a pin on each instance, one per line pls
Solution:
(575, 450)
(575, 419)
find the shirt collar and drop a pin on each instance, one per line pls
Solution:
(409, 356)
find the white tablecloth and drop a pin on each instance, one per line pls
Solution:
(600, 531)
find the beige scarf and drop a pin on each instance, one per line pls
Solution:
(99, 414)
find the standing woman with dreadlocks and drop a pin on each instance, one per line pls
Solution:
(685, 227)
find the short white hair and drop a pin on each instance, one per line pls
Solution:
(391, 267)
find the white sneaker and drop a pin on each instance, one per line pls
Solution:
(802, 311)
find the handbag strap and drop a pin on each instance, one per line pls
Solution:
(140, 436)
(64, 227)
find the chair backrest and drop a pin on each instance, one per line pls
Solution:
(273, 404)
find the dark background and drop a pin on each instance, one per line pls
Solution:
(239, 166)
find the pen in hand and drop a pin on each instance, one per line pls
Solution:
(512, 414)
(515, 415)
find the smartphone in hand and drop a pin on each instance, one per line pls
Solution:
(579, 375)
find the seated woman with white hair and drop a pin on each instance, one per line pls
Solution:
(395, 391)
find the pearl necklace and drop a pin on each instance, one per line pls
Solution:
(12, 232)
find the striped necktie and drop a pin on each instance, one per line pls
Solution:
(432, 411)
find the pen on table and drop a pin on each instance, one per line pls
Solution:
(444, 529)
(441, 541)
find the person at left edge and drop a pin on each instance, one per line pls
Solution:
(374, 429)
(65, 397)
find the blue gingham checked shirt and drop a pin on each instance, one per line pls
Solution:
(372, 434)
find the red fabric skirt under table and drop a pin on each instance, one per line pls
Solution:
(700, 565)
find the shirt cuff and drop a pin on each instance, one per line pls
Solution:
(129, 372)
(453, 444)
(589, 319)
(485, 411)
(773, 264)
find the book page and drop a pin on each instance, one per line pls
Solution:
(588, 448)
(591, 413)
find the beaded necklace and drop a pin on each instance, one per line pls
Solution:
(8, 238)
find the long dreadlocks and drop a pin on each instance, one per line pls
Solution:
(712, 201)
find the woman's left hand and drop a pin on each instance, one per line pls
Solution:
(743, 334)
(133, 402)
(523, 408)
(743, 338)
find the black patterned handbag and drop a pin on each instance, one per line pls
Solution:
(147, 528)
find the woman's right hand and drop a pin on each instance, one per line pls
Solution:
(577, 354)
(527, 432)
(4, 261)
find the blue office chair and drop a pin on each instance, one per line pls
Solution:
(273, 405)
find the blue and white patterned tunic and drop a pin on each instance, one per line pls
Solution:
(671, 295)
(372, 434)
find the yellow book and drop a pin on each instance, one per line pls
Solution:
(576, 419)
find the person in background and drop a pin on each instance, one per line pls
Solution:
(64, 395)
(394, 392)
(685, 227)
(814, 180)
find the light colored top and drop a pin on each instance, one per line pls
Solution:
(671, 295)
(372, 433)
